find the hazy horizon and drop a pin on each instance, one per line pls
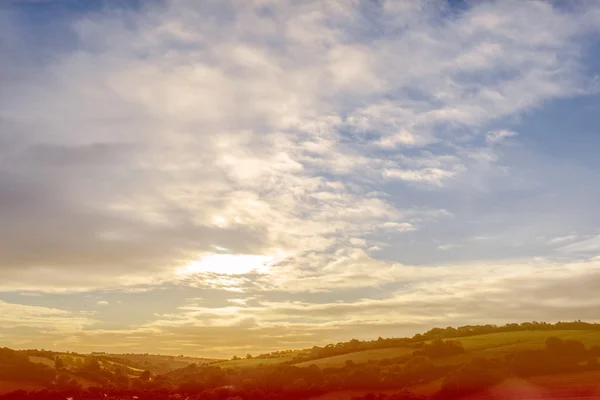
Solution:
(217, 178)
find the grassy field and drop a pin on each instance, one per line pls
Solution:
(159, 363)
(253, 362)
(490, 346)
(498, 345)
(358, 357)
(526, 339)
(42, 360)
(133, 372)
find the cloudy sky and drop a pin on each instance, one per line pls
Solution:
(222, 177)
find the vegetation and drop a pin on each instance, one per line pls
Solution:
(451, 366)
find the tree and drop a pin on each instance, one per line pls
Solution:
(300, 384)
(65, 382)
(92, 364)
(574, 349)
(59, 364)
(145, 376)
(554, 345)
(121, 377)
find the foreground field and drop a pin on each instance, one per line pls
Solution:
(585, 380)
(425, 389)
(7, 386)
(550, 387)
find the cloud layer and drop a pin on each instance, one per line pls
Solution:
(335, 147)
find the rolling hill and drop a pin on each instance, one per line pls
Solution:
(426, 365)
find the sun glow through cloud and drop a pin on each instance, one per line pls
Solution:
(229, 264)
(334, 165)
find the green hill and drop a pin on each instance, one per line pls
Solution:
(359, 357)
(492, 345)
(427, 363)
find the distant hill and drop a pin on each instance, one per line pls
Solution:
(157, 363)
(442, 363)
(37, 369)
(342, 350)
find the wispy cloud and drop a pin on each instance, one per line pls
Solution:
(586, 246)
(499, 136)
(324, 147)
(562, 239)
(445, 247)
(53, 321)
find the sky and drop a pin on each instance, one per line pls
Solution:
(216, 178)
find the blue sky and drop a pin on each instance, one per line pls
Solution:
(218, 178)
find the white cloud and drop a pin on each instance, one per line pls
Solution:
(52, 320)
(445, 247)
(400, 139)
(358, 242)
(499, 136)
(288, 135)
(432, 176)
(587, 246)
(562, 239)
(399, 226)
(475, 293)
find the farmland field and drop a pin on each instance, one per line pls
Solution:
(157, 362)
(253, 362)
(498, 345)
(358, 357)
(42, 360)
(528, 339)
(493, 345)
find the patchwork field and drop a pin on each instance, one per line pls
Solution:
(585, 384)
(526, 339)
(42, 360)
(253, 362)
(358, 357)
(158, 363)
(490, 346)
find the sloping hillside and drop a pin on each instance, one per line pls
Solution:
(359, 357)
(493, 345)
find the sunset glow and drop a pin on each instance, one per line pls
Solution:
(289, 181)
(229, 264)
